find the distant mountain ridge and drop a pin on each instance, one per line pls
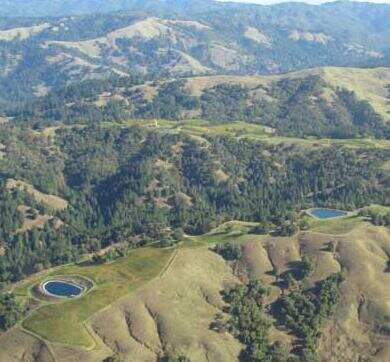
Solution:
(58, 8)
(162, 39)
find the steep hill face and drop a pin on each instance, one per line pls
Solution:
(193, 38)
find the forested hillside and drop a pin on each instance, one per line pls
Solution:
(323, 102)
(58, 8)
(140, 185)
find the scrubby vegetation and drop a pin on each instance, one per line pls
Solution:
(111, 254)
(11, 218)
(304, 312)
(10, 310)
(171, 101)
(248, 321)
(377, 215)
(78, 102)
(301, 309)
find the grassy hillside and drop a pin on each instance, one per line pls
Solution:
(199, 129)
(172, 314)
(63, 322)
(371, 85)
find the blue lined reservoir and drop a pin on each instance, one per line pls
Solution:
(62, 289)
(323, 213)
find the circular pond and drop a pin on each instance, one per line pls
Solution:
(62, 289)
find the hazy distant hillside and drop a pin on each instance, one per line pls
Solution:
(189, 39)
(41, 8)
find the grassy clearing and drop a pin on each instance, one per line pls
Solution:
(337, 226)
(227, 232)
(386, 166)
(380, 209)
(155, 123)
(235, 128)
(62, 322)
(53, 201)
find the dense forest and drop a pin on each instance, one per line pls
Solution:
(137, 185)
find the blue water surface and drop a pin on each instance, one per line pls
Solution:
(327, 213)
(62, 289)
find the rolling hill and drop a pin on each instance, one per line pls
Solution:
(331, 102)
(199, 38)
(189, 289)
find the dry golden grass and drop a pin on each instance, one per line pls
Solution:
(358, 329)
(256, 35)
(17, 345)
(256, 263)
(22, 33)
(53, 201)
(221, 176)
(28, 223)
(173, 313)
(386, 166)
(368, 84)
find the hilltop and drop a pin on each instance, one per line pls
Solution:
(369, 84)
